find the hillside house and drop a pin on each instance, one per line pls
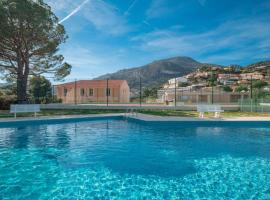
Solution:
(254, 76)
(228, 79)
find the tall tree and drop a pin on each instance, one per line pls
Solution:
(29, 38)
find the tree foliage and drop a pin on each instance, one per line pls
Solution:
(241, 88)
(212, 80)
(259, 84)
(150, 92)
(29, 39)
(227, 88)
(40, 89)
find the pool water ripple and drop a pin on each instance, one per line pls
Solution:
(115, 159)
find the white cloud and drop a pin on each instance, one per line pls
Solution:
(103, 16)
(246, 35)
(81, 57)
(160, 8)
(130, 7)
(85, 63)
(62, 5)
(77, 9)
(89, 62)
(157, 8)
(106, 18)
(230, 57)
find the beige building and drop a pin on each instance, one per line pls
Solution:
(228, 79)
(203, 95)
(94, 91)
(254, 76)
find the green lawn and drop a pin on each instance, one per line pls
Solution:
(196, 114)
(6, 114)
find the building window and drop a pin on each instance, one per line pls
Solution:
(108, 91)
(82, 92)
(65, 92)
(91, 92)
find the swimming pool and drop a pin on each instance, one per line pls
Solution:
(114, 158)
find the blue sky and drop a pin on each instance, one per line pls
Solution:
(109, 35)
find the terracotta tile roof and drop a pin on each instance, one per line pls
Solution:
(95, 83)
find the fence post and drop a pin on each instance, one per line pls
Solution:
(212, 95)
(52, 94)
(175, 92)
(75, 92)
(262, 105)
(212, 84)
(140, 91)
(241, 102)
(251, 104)
(107, 92)
(251, 87)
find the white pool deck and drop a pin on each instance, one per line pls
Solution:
(142, 117)
(145, 117)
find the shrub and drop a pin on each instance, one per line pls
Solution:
(227, 89)
(259, 84)
(6, 101)
(55, 100)
(241, 88)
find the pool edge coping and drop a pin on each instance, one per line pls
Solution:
(138, 116)
(57, 118)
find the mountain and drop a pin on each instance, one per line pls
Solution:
(259, 64)
(263, 66)
(155, 73)
(3, 85)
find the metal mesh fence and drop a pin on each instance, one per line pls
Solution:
(255, 105)
(116, 92)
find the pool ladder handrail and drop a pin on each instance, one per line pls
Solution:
(131, 112)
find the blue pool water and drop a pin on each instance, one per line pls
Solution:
(116, 159)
